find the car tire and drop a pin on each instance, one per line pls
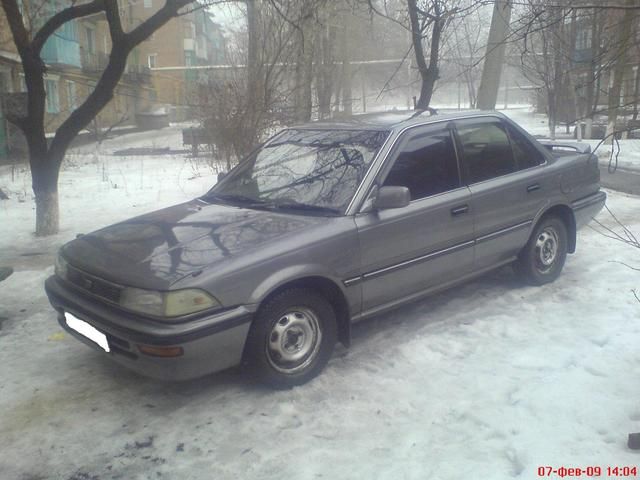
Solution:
(542, 259)
(291, 339)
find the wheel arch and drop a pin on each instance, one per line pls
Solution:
(565, 213)
(327, 288)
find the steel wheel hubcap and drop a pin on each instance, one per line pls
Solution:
(294, 340)
(546, 249)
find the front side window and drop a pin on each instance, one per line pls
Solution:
(486, 151)
(302, 170)
(426, 164)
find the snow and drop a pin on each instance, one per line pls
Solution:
(536, 124)
(487, 381)
(97, 188)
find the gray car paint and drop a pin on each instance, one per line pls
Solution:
(376, 259)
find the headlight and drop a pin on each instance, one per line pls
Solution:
(145, 301)
(183, 302)
(61, 267)
(168, 304)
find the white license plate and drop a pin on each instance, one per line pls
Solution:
(86, 330)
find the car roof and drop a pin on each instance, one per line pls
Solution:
(393, 119)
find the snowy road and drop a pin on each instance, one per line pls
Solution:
(489, 381)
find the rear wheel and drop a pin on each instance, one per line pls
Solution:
(292, 338)
(542, 259)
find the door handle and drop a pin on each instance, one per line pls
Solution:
(459, 210)
(533, 188)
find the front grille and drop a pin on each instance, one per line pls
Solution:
(94, 285)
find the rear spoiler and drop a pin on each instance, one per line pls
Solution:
(576, 146)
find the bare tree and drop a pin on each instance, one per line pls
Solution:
(426, 22)
(465, 47)
(545, 54)
(46, 158)
(239, 106)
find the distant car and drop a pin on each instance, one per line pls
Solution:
(324, 225)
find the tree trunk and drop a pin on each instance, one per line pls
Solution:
(618, 69)
(494, 58)
(428, 73)
(347, 104)
(253, 61)
(324, 81)
(44, 180)
(426, 90)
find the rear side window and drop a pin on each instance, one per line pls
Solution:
(426, 164)
(486, 151)
(525, 153)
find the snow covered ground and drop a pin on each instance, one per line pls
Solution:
(97, 188)
(488, 381)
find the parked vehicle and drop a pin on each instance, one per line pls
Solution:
(324, 225)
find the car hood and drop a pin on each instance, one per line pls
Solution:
(157, 249)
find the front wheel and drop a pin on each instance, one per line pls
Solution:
(542, 259)
(292, 338)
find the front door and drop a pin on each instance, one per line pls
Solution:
(405, 251)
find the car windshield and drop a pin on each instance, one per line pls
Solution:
(302, 170)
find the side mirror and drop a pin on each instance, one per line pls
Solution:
(392, 197)
(221, 175)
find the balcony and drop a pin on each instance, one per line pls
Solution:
(61, 52)
(137, 74)
(94, 62)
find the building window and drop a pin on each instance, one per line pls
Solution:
(72, 98)
(189, 58)
(53, 100)
(5, 82)
(91, 39)
(583, 39)
(22, 83)
(153, 60)
(148, 3)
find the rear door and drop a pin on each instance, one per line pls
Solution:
(503, 171)
(407, 250)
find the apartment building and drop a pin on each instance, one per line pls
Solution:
(78, 52)
(596, 48)
(191, 39)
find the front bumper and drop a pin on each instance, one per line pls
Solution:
(587, 208)
(209, 344)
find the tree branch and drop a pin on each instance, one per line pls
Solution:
(18, 29)
(63, 17)
(123, 44)
(114, 21)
